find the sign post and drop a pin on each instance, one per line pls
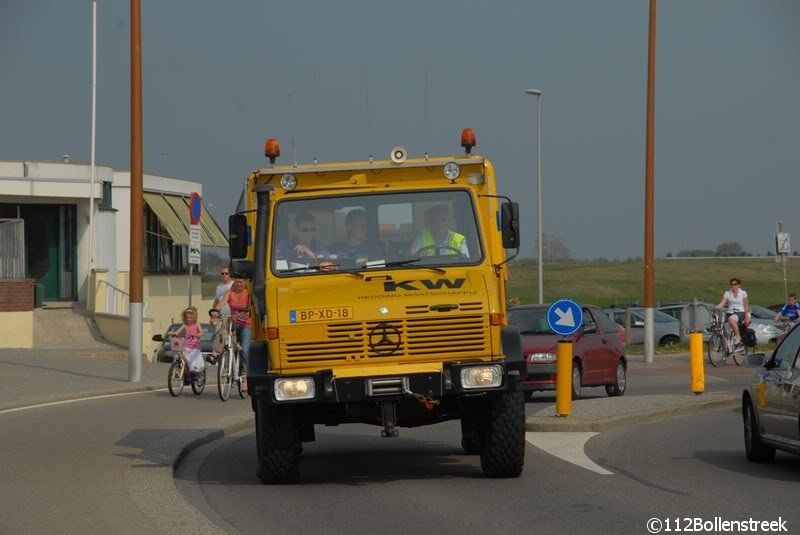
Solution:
(694, 318)
(564, 317)
(783, 249)
(195, 235)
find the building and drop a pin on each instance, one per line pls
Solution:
(44, 236)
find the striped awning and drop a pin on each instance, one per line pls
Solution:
(173, 213)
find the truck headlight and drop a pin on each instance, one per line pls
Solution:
(294, 388)
(481, 376)
(288, 182)
(542, 357)
(451, 170)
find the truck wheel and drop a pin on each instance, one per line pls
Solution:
(470, 436)
(278, 443)
(503, 451)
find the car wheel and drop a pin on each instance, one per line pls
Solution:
(756, 450)
(577, 380)
(621, 381)
(668, 341)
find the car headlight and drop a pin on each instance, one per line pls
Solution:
(294, 388)
(542, 357)
(481, 376)
(288, 182)
(452, 170)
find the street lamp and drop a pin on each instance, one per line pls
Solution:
(538, 94)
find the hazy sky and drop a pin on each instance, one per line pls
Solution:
(217, 75)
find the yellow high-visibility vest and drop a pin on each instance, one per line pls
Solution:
(454, 240)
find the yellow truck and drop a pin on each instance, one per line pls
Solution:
(378, 297)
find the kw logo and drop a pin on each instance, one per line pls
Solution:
(428, 284)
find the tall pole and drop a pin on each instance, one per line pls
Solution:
(649, 277)
(783, 261)
(539, 274)
(540, 280)
(89, 292)
(137, 225)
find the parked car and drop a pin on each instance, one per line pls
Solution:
(667, 330)
(771, 401)
(163, 351)
(599, 355)
(767, 332)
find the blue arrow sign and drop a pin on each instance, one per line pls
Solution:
(565, 317)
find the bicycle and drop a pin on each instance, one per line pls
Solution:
(720, 344)
(228, 371)
(177, 375)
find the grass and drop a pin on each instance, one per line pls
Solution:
(606, 283)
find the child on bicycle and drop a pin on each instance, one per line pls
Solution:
(192, 331)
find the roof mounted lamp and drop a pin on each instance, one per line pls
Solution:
(468, 139)
(272, 149)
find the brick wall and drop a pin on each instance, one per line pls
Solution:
(16, 295)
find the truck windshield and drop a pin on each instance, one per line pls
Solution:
(362, 232)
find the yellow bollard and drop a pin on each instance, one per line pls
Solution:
(696, 359)
(563, 378)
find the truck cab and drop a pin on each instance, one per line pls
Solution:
(378, 293)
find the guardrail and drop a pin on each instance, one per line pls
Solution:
(115, 296)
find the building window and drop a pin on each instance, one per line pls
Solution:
(161, 254)
(105, 202)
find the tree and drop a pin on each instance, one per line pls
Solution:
(729, 248)
(554, 249)
(669, 255)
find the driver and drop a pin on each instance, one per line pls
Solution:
(436, 239)
(303, 245)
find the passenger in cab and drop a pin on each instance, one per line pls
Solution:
(357, 244)
(437, 239)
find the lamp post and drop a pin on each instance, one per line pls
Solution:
(649, 275)
(538, 94)
(136, 305)
(89, 292)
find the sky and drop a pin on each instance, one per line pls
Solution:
(217, 78)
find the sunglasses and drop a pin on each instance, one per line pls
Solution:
(224, 273)
(734, 284)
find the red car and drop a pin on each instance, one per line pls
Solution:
(598, 351)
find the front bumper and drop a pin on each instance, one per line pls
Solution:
(438, 384)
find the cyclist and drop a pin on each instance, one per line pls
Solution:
(738, 309)
(790, 310)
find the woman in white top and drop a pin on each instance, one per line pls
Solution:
(738, 310)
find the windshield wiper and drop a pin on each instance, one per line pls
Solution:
(536, 332)
(328, 268)
(396, 263)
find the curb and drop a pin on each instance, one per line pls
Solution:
(85, 395)
(597, 425)
(152, 473)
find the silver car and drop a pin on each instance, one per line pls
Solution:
(761, 321)
(771, 401)
(666, 329)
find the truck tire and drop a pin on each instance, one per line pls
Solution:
(470, 436)
(278, 443)
(503, 451)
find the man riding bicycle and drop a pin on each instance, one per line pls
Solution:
(790, 310)
(738, 309)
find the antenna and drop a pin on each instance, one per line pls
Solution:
(314, 119)
(369, 118)
(427, 135)
(291, 119)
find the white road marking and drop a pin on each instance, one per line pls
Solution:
(52, 403)
(568, 447)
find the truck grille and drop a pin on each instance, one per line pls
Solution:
(411, 338)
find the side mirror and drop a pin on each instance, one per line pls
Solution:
(509, 224)
(237, 236)
(158, 338)
(755, 360)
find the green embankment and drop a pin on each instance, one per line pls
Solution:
(606, 283)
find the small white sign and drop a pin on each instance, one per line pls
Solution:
(782, 244)
(194, 245)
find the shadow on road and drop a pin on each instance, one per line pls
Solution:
(785, 468)
(346, 459)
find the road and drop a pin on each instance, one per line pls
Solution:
(64, 468)
(353, 481)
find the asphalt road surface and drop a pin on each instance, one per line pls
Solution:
(353, 481)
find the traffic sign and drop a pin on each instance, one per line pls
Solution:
(565, 317)
(195, 208)
(195, 235)
(782, 243)
(695, 316)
